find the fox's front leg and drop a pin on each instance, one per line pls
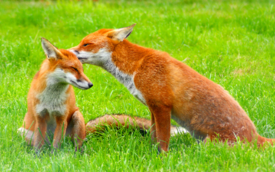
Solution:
(162, 118)
(78, 132)
(153, 129)
(61, 126)
(40, 132)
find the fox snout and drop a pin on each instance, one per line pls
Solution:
(77, 53)
(85, 58)
(82, 84)
(73, 50)
(90, 85)
(81, 81)
(85, 79)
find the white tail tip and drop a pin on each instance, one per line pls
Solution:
(22, 131)
(178, 130)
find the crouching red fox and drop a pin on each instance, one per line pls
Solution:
(169, 88)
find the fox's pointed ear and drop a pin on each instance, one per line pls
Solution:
(50, 50)
(120, 34)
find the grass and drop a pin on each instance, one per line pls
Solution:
(230, 42)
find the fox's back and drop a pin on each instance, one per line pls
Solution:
(203, 104)
(194, 98)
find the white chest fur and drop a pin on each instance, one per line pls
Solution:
(52, 100)
(125, 79)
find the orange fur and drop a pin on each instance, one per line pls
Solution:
(43, 119)
(170, 88)
(117, 120)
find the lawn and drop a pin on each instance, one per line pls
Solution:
(229, 42)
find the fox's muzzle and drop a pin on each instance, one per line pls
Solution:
(90, 84)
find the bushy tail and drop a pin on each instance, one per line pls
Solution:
(262, 140)
(126, 121)
(27, 134)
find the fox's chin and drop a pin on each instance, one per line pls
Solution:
(77, 86)
(82, 88)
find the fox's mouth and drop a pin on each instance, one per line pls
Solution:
(82, 58)
(76, 85)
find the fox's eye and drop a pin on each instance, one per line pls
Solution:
(75, 69)
(85, 45)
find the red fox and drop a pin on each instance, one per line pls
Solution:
(169, 88)
(51, 100)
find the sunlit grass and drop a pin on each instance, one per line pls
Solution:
(230, 42)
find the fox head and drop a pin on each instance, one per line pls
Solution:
(97, 47)
(64, 67)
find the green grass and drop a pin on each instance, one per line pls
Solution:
(230, 42)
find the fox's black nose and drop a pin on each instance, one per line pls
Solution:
(90, 85)
(77, 52)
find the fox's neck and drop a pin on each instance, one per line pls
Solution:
(52, 99)
(48, 83)
(56, 89)
(123, 63)
(126, 57)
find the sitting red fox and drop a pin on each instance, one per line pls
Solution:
(169, 88)
(51, 99)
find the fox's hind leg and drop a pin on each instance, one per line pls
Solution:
(76, 129)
